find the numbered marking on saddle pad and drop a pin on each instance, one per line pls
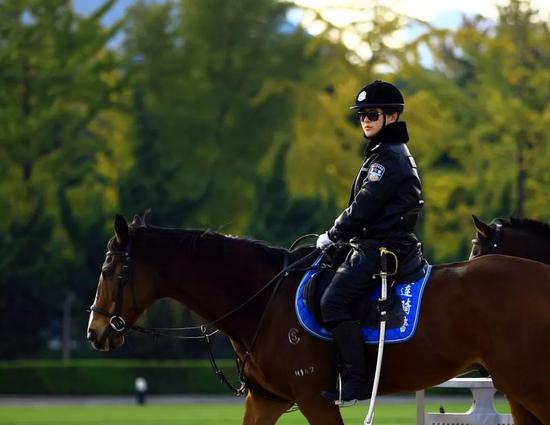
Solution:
(410, 294)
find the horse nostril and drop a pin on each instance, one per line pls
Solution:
(91, 336)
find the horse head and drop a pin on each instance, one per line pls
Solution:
(518, 237)
(124, 289)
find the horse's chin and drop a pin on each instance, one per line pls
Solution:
(111, 341)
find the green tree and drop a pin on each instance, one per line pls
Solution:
(59, 82)
(487, 89)
(204, 117)
(280, 218)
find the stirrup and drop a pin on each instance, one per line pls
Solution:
(339, 389)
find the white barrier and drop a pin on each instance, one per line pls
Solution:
(482, 411)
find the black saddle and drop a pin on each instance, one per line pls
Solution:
(411, 268)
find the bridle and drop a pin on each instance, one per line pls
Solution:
(495, 241)
(118, 323)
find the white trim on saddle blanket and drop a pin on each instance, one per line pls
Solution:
(409, 293)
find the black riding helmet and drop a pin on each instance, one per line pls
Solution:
(379, 94)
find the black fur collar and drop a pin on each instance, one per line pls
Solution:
(395, 132)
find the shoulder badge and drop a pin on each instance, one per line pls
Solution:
(376, 171)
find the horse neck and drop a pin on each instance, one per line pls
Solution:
(525, 244)
(213, 275)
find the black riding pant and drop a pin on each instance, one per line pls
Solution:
(353, 279)
(350, 283)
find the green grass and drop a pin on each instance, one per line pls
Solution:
(193, 414)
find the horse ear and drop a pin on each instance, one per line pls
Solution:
(483, 228)
(121, 230)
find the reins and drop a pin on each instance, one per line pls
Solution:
(118, 324)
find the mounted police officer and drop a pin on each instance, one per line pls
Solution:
(383, 209)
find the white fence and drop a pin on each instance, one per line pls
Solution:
(482, 411)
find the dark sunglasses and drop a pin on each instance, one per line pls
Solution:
(371, 115)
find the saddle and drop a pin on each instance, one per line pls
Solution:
(365, 310)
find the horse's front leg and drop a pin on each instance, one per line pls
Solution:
(260, 410)
(320, 411)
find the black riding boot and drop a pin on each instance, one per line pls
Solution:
(349, 342)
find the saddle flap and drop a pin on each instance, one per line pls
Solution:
(404, 302)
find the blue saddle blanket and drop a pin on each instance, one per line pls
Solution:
(409, 293)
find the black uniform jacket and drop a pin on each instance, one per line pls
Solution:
(386, 195)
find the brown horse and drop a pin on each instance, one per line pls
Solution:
(524, 238)
(473, 313)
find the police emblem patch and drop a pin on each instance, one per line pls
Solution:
(376, 171)
(362, 96)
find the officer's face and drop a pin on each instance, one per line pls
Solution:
(372, 120)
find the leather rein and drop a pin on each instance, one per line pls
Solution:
(118, 323)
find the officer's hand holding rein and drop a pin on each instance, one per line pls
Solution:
(323, 241)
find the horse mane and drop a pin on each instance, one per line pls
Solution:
(537, 228)
(189, 238)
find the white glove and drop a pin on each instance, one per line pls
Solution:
(323, 241)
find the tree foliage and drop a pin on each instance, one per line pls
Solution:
(482, 111)
(59, 82)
